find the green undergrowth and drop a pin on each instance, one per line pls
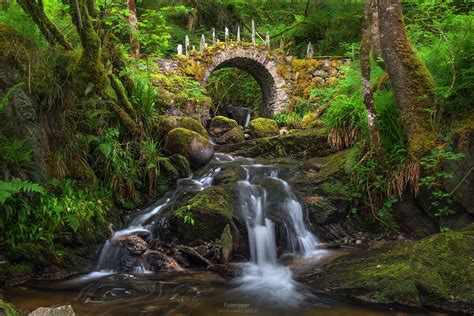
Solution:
(8, 309)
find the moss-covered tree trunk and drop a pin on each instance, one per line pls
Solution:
(92, 70)
(411, 81)
(49, 30)
(365, 72)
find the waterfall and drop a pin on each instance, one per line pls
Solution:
(261, 196)
(110, 253)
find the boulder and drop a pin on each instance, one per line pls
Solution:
(181, 165)
(221, 125)
(262, 127)
(234, 136)
(65, 310)
(211, 210)
(158, 261)
(196, 148)
(134, 244)
(424, 273)
(167, 123)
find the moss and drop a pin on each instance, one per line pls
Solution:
(226, 243)
(437, 271)
(230, 173)
(295, 144)
(234, 136)
(181, 164)
(262, 127)
(7, 309)
(336, 188)
(196, 148)
(22, 53)
(168, 123)
(212, 209)
(221, 125)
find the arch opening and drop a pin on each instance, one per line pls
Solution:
(259, 72)
(235, 94)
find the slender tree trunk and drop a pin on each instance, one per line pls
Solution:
(50, 31)
(411, 81)
(365, 71)
(375, 34)
(132, 22)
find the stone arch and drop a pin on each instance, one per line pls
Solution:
(262, 68)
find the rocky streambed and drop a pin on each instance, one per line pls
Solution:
(191, 252)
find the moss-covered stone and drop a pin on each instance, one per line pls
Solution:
(299, 144)
(181, 165)
(226, 243)
(166, 124)
(437, 272)
(221, 125)
(212, 209)
(196, 148)
(263, 127)
(234, 136)
(8, 309)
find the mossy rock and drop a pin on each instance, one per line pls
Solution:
(226, 243)
(220, 125)
(212, 210)
(181, 165)
(263, 127)
(166, 124)
(234, 136)
(436, 272)
(311, 120)
(196, 148)
(299, 144)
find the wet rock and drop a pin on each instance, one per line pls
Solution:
(226, 243)
(221, 125)
(234, 136)
(462, 185)
(413, 221)
(196, 148)
(193, 256)
(158, 261)
(225, 270)
(262, 127)
(239, 113)
(411, 273)
(212, 210)
(328, 246)
(134, 244)
(181, 164)
(65, 310)
(295, 144)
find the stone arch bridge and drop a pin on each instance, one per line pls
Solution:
(284, 80)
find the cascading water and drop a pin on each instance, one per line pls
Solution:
(266, 202)
(143, 225)
(264, 195)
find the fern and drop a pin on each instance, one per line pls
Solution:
(8, 189)
(7, 95)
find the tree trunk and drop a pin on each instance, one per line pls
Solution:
(375, 34)
(411, 81)
(50, 31)
(365, 72)
(132, 22)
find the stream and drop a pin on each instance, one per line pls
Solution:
(265, 287)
